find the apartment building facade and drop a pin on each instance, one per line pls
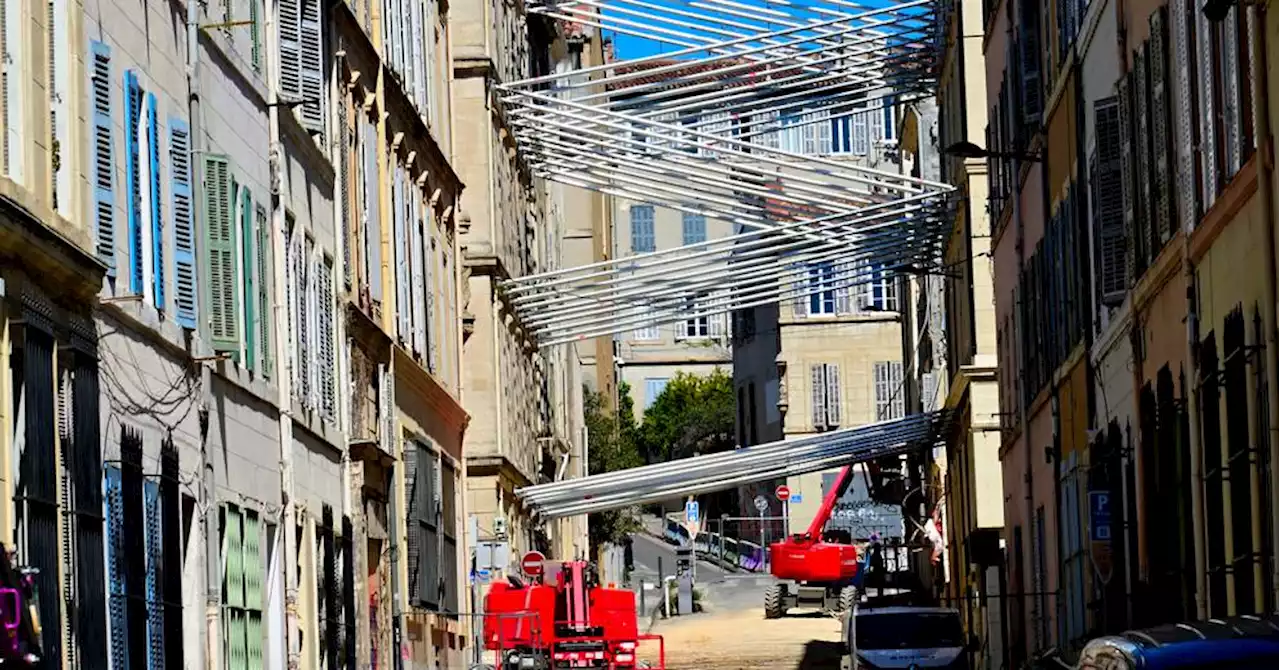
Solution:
(1140, 166)
(829, 356)
(519, 397)
(957, 357)
(649, 357)
(245, 310)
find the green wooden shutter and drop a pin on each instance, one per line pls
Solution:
(250, 265)
(263, 236)
(253, 580)
(219, 244)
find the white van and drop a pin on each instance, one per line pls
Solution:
(880, 638)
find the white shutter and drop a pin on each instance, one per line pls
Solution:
(419, 291)
(313, 323)
(312, 68)
(398, 255)
(1208, 136)
(898, 407)
(844, 273)
(1231, 112)
(1108, 202)
(833, 395)
(799, 284)
(929, 393)
(881, 374)
(325, 352)
(433, 344)
(818, 395)
(11, 87)
(418, 61)
(1161, 167)
(1184, 149)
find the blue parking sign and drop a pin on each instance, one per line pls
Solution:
(691, 512)
(1100, 516)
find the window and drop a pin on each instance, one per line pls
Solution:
(696, 328)
(822, 280)
(371, 210)
(807, 134)
(642, 239)
(824, 394)
(1029, 54)
(324, 347)
(653, 388)
(433, 529)
(221, 257)
(400, 255)
(695, 228)
(1039, 582)
(301, 60)
(716, 123)
(1108, 201)
(59, 104)
(647, 333)
(262, 251)
(103, 151)
(12, 81)
(890, 397)
(422, 289)
(184, 234)
(881, 292)
(244, 642)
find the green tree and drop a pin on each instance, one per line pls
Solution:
(611, 446)
(693, 415)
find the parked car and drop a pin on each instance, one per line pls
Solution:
(880, 638)
(1239, 643)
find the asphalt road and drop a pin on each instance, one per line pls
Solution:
(731, 591)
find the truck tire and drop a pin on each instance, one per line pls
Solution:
(773, 607)
(848, 598)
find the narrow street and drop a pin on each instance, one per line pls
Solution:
(745, 640)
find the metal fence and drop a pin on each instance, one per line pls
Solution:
(736, 543)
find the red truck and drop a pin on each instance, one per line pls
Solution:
(563, 619)
(823, 567)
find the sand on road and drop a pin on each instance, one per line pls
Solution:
(745, 640)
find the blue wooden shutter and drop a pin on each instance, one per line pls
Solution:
(133, 175)
(118, 607)
(250, 295)
(184, 234)
(155, 609)
(103, 157)
(157, 221)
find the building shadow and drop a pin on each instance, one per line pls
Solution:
(820, 655)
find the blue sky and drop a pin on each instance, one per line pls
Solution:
(627, 47)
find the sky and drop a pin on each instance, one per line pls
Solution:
(627, 47)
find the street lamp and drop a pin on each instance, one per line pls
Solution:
(971, 150)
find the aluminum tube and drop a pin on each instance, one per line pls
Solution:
(872, 176)
(575, 335)
(850, 451)
(713, 277)
(666, 57)
(743, 459)
(746, 240)
(717, 276)
(750, 258)
(749, 154)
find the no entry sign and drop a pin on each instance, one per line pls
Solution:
(532, 563)
(783, 492)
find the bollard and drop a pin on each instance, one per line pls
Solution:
(642, 609)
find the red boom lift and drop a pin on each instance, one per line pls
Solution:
(823, 566)
(563, 619)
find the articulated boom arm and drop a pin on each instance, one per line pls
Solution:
(829, 502)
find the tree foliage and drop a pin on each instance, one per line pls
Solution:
(693, 415)
(611, 446)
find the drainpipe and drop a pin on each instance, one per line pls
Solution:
(284, 396)
(208, 484)
(1193, 428)
(1266, 188)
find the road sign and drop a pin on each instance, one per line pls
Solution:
(762, 504)
(483, 576)
(783, 492)
(532, 563)
(1100, 516)
(691, 512)
(796, 497)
